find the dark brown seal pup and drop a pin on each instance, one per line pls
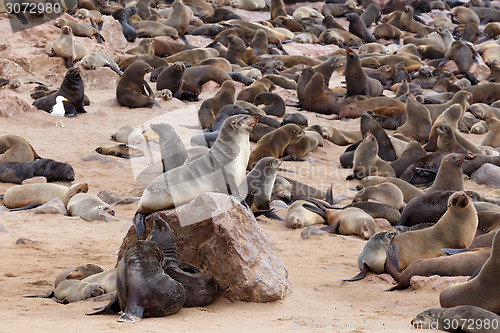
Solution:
(358, 27)
(130, 91)
(274, 143)
(482, 290)
(143, 288)
(72, 89)
(317, 99)
(358, 83)
(122, 15)
(274, 104)
(261, 85)
(16, 172)
(455, 229)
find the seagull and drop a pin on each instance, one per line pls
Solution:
(58, 109)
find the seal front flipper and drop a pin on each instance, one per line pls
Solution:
(392, 262)
(476, 273)
(139, 223)
(117, 71)
(20, 16)
(69, 62)
(450, 252)
(361, 275)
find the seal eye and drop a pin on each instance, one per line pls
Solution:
(454, 202)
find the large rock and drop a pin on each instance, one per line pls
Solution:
(217, 235)
(488, 174)
(12, 104)
(54, 206)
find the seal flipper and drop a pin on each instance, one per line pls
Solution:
(49, 294)
(69, 62)
(119, 72)
(450, 252)
(392, 262)
(151, 93)
(99, 38)
(476, 272)
(20, 16)
(113, 307)
(28, 206)
(184, 39)
(361, 275)
(315, 209)
(139, 223)
(329, 195)
(132, 313)
(99, 25)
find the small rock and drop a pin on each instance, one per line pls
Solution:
(34, 180)
(488, 174)
(12, 104)
(136, 192)
(311, 231)
(109, 197)
(26, 241)
(54, 206)
(436, 282)
(128, 201)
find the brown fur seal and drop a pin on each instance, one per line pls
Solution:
(261, 85)
(355, 109)
(235, 50)
(179, 19)
(78, 29)
(409, 191)
(274, 104)
(413, 152)
(120, 150)
(358, 27)
(463, 54)
(492, 138)
(451, 116)
(367, 162)
(32, 195)
(95, 59)
(317, 99)
(388, 31)
(69, 291)
(106, 279)
(130, 91)
(338, 136)
(348, 221)
(307, 143)
(16, 172)
(298, 217)
(358, 83)
(143, 287)
(210, 107)
(79, 272)
(164, 47)
(455, 229)
(474, 319)
(171, 78)
(153, 29)
(260, 43)
(409, 24)
(14, 148)
(449, 176)
(231, 151)
(460, 264)
(65, 48)
(480, 291)
(418, 121)
(199, 75)
(274, 143)
(89, 207)
(386, 193)
(145, 47)
(260, 182)
(447, 140)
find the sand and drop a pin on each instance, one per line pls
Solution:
(317, 300)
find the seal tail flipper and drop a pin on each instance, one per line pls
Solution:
(361, 275)
(99, 25)
(450, 252)
(1, 196)
(28, 206)
(392, 262)
(271, 213)
(99, 38)
(315, 209)
(49, 294)
(471, 78)
(184, 39)
(331, 228)
(69, 62)
(329, 195)
(139, 223)
(113, 307)
(476, 273)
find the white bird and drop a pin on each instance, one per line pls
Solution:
(58, 109)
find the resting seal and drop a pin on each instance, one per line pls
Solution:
(14, 148)
(16, 172)
(89, 207)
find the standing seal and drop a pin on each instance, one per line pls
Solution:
(455, 229)
(366, 161)
(357, 82)
(449, 176)
(273, 144)
(143, 288)
(483, 290)
(130, 89)
(222, 166)
(172, 149)
(72, 89)
(211, 107)
(259, 182)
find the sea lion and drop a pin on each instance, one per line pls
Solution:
(143, 288)
(235, 50)
(347, 221)
(412, 153)
(72, 89)
(358, 27)
(388, 31)
(106, 279)
(231, 151)
(463, 54)
(371, 14)
(455, 229)
(338, 136)
(199, 75)
(145, 47)
(172, 149)
(179, 19)
(14, 148)
(441, 319)
(89, 207)
(274, 104)
(386, 193)
(451, 116)
(16, 172)
(460, 264)
(79, 272)
(94, 16)
(358, 83)
(372, 256)
(274, 143)
(428, 207)
(463, 15)
(69, 291)
(211, 107)
(165, 48)
(32, 195)
(449, 176)
(492, 138)
(65, 48)
(446, 140)
(130, 89)
(367, 162)
(480, 291)
(123, 15)
(409, 24)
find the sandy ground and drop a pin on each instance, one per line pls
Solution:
(317, 300)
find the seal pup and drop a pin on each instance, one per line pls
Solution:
(455, 229)
(69, 291)
(230, 153)
(15, 148)
(357, 82)
(95, 59)
(143, 287)
(473, 318)
(366, 161)
(16, 172)
(298, 216)
(492, 138)
(65, 48)
(88, 206)
(449, 176)
(409, 191)
(172, 149)
(72, 88)
(482, 290)
(130, 90)
(273, 144)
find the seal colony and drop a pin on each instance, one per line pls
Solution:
(437, 105)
